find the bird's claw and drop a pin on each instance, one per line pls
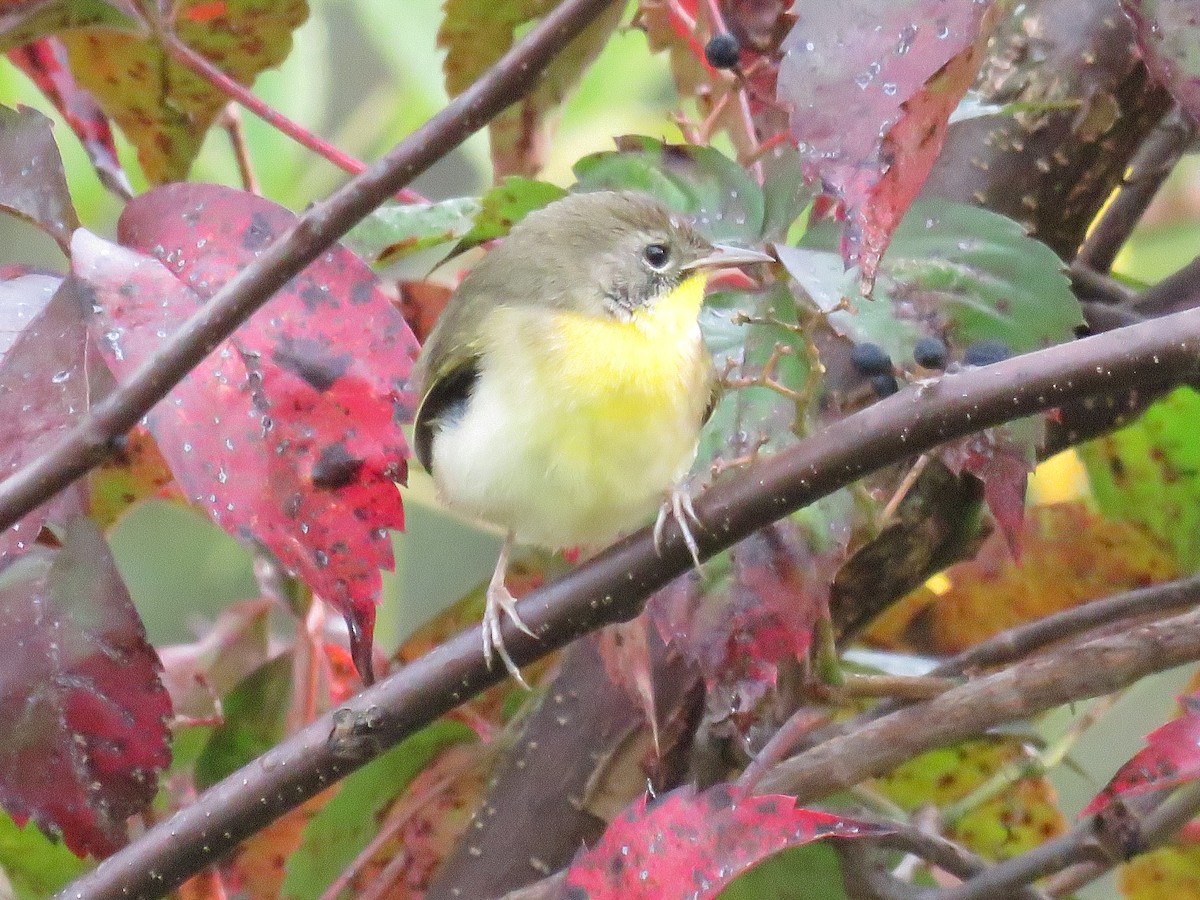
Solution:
(501, 603)
(679, 505)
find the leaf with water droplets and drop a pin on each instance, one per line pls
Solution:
(45, 388)
(1171, 757)
(81, 704)
(288, 434)
(33, 184)
(871, 89)
(689, 844)
(724, 202)
(45, 62)
(1166, 32)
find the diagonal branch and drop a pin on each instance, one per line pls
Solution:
(91, 441)
(613, 587)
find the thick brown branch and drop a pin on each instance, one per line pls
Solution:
(1025, 689)
(90, 441)
(613, 586)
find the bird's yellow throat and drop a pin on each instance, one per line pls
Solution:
(638, 359)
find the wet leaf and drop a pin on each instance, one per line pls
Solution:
(80, 696)
(395, 230)
(871, 90)
(1170, 758)
(289, 433)
(724, 202)
(45, 62)
(506, 204)
(44, 390)
(690, 844)
(1166, 36)
(956, 271)
(740, 627)
(1168, 873)
(33, 184)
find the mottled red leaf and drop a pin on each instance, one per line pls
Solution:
(738, 636)
(45, 62)
(81, 705)
(289, 434)
(44, 390)
(131, 65)
(690, 845)
(1002, 459)
(1166, 32)
(871, 89)
(33, 184)
(1171, 757)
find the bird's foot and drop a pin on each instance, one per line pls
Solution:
(501, 603)
(679, 505)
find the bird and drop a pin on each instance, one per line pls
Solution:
(564, 386)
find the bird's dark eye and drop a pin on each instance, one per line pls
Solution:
(657, 255)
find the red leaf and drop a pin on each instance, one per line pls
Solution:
(691, 845)
(871, 89)
(1166, 37)
(81, 704)
(44, 390)
(738, 638)
(1171, 757)
(1002, 460)
(289, 433)
(33, 184)
(45, 62)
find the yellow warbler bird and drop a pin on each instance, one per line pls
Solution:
(565, 384)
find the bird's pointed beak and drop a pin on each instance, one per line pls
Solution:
(725, 256)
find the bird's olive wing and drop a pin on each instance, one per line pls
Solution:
(445, 400)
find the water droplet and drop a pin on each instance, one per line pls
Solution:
(908, 34)
(60, 377)
(889, 88)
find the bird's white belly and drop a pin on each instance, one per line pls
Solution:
(561, 475)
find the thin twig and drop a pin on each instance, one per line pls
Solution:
(91, 440)
(1147, 171)
(242, 95)
(231, 121)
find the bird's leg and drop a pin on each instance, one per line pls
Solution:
(500, 603)
(678, 504)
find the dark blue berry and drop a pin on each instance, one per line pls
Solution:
(884, 385)
(722, 51)
(870, 359)
(931, 353)
(984, 353)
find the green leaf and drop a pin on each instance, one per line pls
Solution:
(1149, 473)
(476, 33)
(395, 230)
(953, 269)
(815, 866)
(161, 106)
(717, 193)
(339, 832)
(505, 205)
(35, 865)
(25, 23)
(255, 721)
